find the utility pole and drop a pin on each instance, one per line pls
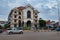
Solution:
(58, 11)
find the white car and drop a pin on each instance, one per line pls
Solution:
(14, 31)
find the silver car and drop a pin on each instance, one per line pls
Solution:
(14, 31)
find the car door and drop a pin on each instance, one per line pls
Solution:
(13, 30)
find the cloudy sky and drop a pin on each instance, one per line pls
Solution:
(47, 8)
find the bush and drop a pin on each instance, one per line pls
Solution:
(26, 28)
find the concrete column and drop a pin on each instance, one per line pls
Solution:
(12, 26)
(24, 24)
(32, 25)
(17, 25)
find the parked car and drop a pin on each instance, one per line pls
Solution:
(57, 29)
(52, 29)
(14, 31)
(1, 30)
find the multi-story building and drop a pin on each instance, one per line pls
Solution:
(23, 16)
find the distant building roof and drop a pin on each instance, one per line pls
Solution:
(2, 22)
(48, 22)
(20, 8)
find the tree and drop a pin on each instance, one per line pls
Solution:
(1, 27)
(42, 23)
(6, 26)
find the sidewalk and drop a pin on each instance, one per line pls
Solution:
(39, 31)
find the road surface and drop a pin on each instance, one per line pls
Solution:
(31, 36)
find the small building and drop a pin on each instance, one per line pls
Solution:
(56, 24)
(50, 23)
(23, 16)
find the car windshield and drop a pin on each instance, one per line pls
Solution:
(14, 29)
(9, 29)
(19, 28)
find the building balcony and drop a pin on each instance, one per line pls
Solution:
(15, 14)
(35, 22)
(36, 15)
(15, 18)
(35, 18)
(14, 22)
(19, 15)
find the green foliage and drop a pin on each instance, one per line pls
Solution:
(6, 26)
(54, 27)
(1, 27)
(26, 28)
(42, 23)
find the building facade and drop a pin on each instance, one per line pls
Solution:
(23, 16)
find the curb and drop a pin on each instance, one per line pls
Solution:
(39, 31)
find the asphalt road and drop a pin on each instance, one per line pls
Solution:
(31, 36)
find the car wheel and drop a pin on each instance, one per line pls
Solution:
(0, 31)
(10, 32)
(21, 32)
